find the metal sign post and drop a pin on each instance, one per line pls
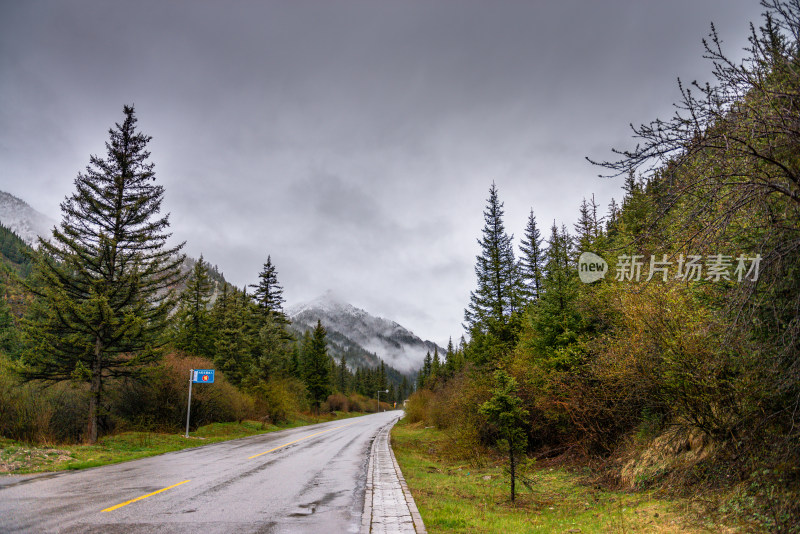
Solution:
(379, 397)
(199, 376)
(189, 406)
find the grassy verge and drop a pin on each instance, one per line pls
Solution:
(455, 496)
(20, 458)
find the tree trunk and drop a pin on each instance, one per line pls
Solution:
(94, 393)
(513, 468)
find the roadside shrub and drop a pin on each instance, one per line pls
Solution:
(357, 402)
(337, 403)
(418, 406)
(37, 413)
(280, 398)
(158, 402)
(454, 409)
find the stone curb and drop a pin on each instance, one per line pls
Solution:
(367, 516)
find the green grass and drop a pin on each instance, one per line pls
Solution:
(455, 496)
(20, 458)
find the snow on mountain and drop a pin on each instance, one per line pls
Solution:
(394, 344)
(23, 220)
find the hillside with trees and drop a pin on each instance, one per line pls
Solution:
(680, 369)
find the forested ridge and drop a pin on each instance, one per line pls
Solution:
(680, 368)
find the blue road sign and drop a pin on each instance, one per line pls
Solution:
(203, 376)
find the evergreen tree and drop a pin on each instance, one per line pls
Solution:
(274, 351)
(317, 366)
(436, 364)
(302, 348)
(499, 293)
(556, 320)
(597, 222)
(9, 337)
(424, 374)
(333, 376)
(504, 410)
(613, 214)
(104, 280)
(295, 367)
(382, 383)
(532, 259)
(218, 310)
(233, 347)
(588, 228)
(584, 228)
(359, 381)
(268, 293)
(558, 271)
(343, 375)
(449, 359)
(404, 390)
(193, 319)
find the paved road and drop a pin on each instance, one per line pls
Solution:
(308, 479)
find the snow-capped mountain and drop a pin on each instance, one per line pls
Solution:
(391, 342)
(23, 220)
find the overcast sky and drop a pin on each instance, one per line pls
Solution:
(354, 142)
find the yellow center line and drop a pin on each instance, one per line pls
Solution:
(126, 503)
(295, 441)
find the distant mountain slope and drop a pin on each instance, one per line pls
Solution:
(12, 251)
(23, 220)
(348, 325)
(27, 223)
(14, 265)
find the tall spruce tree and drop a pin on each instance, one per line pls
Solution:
(268, 293)
(497, 295)
(436, 364)
(556, 319)
(104, 282)
(193, 320)
(234, 337)
(492, 316)
(317, 366)
(588, 228)
(274, 349)
(424, 373)
(532, 259)
(613, 214)
(343, 376)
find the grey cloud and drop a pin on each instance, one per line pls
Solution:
(353, 141)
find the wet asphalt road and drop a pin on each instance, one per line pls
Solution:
(315, 483)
